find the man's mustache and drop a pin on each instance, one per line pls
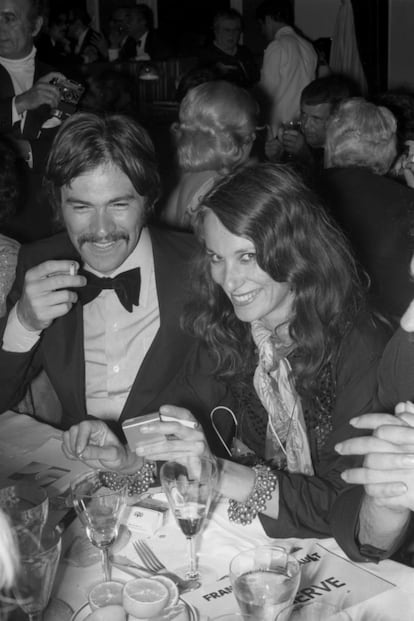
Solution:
(97, 239)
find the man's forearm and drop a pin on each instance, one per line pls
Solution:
(380, 526)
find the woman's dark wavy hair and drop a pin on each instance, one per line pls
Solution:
(295, 243)
(86, 141)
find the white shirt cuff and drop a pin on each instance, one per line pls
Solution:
(16, 337)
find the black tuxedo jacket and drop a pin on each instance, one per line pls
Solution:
(128, 49)
(40, 139)
(60, 349)
(155, 47)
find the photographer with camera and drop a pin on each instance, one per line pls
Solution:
(28, 99)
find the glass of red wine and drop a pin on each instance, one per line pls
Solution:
(189, 488)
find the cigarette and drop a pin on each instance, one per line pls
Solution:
(169, 418)
(72, 272)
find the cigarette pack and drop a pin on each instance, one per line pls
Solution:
(147, 516)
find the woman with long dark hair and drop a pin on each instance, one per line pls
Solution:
(288, 352)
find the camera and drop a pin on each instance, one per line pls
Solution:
(70, 95)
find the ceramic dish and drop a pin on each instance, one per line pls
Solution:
(182, 612)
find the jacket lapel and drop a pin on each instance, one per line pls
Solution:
(160, 363)
(36, 118)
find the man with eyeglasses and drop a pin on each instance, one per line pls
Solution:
(319, 99)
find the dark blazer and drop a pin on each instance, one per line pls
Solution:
(34, 119)
(155, 47)
(128, 49)
(50, 52)
(60, 349)
(88, 40)
(241, 68)
(375, 212)
(345, 522)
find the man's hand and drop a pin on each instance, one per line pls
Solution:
(115, 37)
(293, 142)
(46, 294)
(98, 447)
(42, 92)
(387, 473)
(98, 41)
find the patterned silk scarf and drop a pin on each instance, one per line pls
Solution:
(286, 435)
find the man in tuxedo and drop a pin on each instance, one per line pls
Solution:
(98, 307)
(149, 45)
(121, 45)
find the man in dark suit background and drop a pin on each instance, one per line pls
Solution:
(149, 45)
(232, 61)
(26, 94)
(88, 45)
(27, 99)
(121, 45)
(113, 353)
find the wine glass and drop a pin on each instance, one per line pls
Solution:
(100, 509)
(189, 489)
(39, 559)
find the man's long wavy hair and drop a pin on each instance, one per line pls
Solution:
(86, 141)
(296, 243)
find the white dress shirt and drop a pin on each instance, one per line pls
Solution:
(289, 64)
(115, 341)
(141, 54)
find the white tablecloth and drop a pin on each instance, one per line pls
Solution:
(388, 586)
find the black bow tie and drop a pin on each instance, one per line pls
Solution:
(126, 285)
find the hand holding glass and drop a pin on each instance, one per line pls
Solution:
(189, 489)
(100, 510)
(265, 580)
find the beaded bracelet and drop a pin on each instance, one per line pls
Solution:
(265, 484)
(138, 483)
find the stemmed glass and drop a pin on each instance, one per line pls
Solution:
(100, 509)
(189, 488)
(39, 559)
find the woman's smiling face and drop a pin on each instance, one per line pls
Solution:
(252, 292)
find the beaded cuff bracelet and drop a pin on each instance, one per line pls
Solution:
(265, 484)
(138, 483)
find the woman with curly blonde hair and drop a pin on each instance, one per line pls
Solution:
(214, 135)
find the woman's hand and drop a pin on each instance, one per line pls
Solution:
(175, 440)
(98, 447)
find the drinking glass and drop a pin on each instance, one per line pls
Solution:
(313, 611)
(27, 506)
(100, 509)
(265, 580)
(189, 488)
(39, 559)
